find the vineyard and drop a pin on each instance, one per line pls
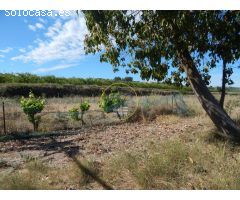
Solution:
(13, 85)
(58, 113)
(28, 78)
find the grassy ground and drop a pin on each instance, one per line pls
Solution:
(195, 159)
(55, 114)
(171, 151)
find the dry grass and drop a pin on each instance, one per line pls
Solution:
(146, 114)
(193, 104)
(195, 159)
(36, 174)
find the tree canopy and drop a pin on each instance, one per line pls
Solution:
(158, 43)
(149, 42)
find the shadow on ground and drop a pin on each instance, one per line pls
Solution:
(47, 142)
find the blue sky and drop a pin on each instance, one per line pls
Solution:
(54, 46)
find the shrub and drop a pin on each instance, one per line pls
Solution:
(31, 106)
(74, 112)
(84, 106)
(110, 102)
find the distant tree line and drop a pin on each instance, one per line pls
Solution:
(28, 78)
(127, 79)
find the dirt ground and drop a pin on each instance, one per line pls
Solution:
(95, 142)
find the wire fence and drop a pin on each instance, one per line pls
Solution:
(13, 120)
(50, 121)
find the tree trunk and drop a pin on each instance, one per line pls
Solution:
(223, 90)
(218, 116)
(81, 118)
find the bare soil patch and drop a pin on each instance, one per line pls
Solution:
(95, 142)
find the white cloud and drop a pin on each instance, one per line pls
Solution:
(31, 27)
(7, 50)
(63, 42)
(55, 29)
(2, 56)
(58, 67)
(36, 26)
(42, 20)
(22, 50)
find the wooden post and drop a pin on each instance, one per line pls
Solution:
(172, 102)
(4, 120)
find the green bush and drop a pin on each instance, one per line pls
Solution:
(74, 112)
(31, 106)
(110, 102)
(84, 106)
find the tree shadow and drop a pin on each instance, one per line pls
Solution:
(71, 153)
(50, 145)
(35, 135)
(26, 136)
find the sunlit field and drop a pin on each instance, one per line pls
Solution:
(120, 99)
(167, 143)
